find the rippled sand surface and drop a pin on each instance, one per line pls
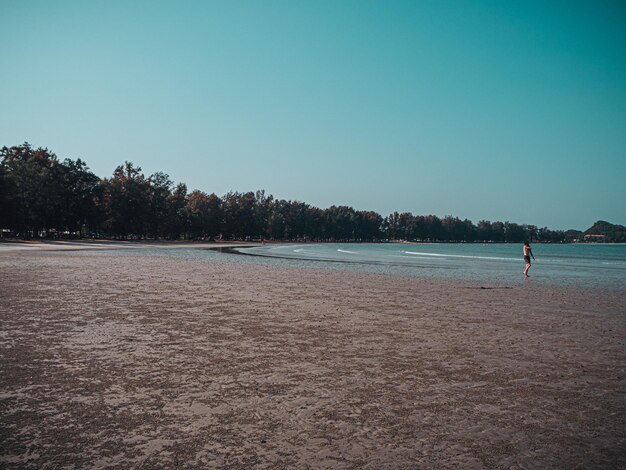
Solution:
(123, 360)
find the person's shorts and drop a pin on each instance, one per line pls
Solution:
(527, 259)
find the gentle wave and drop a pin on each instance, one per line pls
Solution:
(347, 251)
(458, 256)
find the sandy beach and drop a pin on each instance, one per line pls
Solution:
(122, 360)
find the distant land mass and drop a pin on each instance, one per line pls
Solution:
(605, 231)
(43, 197)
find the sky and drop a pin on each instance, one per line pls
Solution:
(478, 109)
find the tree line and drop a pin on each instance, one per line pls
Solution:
(42, 196)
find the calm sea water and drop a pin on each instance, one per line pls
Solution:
(601, 265)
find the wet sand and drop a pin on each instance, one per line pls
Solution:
(122, 360)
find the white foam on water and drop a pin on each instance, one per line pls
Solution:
(440, 255)
(346, 251)
(284, 247)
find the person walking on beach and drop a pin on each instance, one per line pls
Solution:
(528, 252)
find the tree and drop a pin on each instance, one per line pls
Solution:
(297, 223)
(175, 222)
(405, 229)
(80, 196)
(433, 228)
(497, 232)
(262, 212)
(392, 225)
(514, 232)
(160, 189)
(368, 226)
(340, 223)
(34, 179)
(484, 230)
(240, 219)
(128, 197)
(41, 196)
(204, 215)
(8, 199)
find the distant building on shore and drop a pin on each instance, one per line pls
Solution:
(595, 238)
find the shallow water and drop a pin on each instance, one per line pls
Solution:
(589, 265)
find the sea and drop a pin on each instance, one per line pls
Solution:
(589, 265)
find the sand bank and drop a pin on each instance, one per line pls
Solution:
(12, 246)
(112, 360)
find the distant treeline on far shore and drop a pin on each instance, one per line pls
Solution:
(41, 196)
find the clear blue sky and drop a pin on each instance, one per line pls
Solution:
(482, 109)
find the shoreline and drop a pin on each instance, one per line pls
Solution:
(174, 243)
